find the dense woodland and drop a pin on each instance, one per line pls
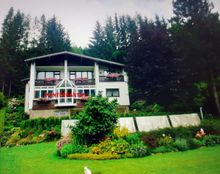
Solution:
(172, 62)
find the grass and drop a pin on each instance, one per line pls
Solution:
(2, 117)
(41, 158)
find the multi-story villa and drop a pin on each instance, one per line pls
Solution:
(61, 82)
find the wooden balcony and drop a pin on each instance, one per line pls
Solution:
(119, 78)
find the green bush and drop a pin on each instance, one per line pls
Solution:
(133, 138)
(139, 105)
(211, 126)
(194, 143)
(97, 120)
(211, 140)
(139, 150)
(164, 149)
(181, 144)
(2, 100)
(90, 156)
(165, 140)
(72, 148)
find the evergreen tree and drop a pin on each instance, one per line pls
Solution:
(13, 45)
(195, 30)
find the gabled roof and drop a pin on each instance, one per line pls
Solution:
(73, 54)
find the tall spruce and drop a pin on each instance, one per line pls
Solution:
(196, 31)
(13, 45)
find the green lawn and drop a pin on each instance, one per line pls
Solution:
(2, 117)
(41, 158)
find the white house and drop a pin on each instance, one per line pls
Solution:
(61, 82)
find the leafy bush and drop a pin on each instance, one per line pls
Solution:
(90, 156)
(139, 150)
(133, 138)
(139, 105)
(2, 100)
(165, 140)
(119, 147)
(194, 143)
(72, 148)
(181, 144)
(164, 149)
(150, 141)
(120, 132)
(97, 120)
(211, 126)
(42, 124)
(211, 140)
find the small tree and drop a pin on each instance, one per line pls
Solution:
(97, 120)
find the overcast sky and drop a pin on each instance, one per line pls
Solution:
(79, 16)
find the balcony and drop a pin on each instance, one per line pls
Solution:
(47, 82)
(111, 78)
(84, 81)
(54, 82)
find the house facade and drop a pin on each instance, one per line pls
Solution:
(60, 83)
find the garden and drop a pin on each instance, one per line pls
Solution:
(96, 137)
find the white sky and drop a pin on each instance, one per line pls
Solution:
(79, 16)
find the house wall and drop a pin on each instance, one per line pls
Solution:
(123, 98)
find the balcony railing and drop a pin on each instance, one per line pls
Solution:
(119, 78)
(54, 82)
(84, 81)
(47, 82)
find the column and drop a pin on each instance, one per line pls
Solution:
(96, 75)
(32, 84)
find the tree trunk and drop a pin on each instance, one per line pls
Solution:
(215, 93)
(9, 90)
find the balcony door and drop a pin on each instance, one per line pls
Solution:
(66, 93)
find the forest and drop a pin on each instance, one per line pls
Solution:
(174, 62)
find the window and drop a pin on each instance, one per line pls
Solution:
(57, 75)
(79, 74)
(72, 75)
(48, 74)
(37, 94)
(40, 75)
(112, 92)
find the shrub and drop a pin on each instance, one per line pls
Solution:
(119, 147)
(164, 149)
(89, 156)
(97, 120)
(120, 132)
(211, 140)
(211, 126)
(165, 140)
(139, 150)
(181, 144)
(139, 105)
(194, 143)
(150, 141)
(133, 138)
(72, 148)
